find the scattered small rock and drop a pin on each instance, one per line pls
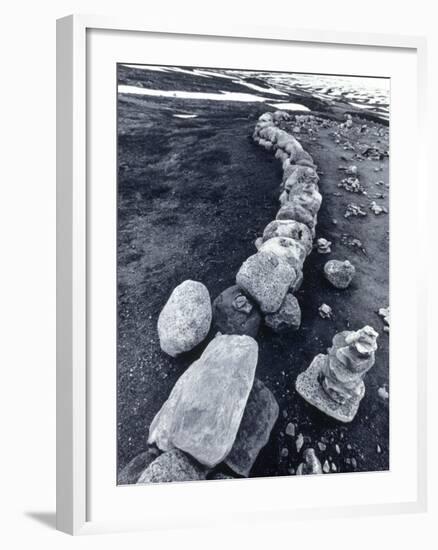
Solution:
(384, 313)
(290, 429)
(284, 452)
(353, 242)
(323, 246)
(352, 185)
(376, 209)
(326, 467)
(322, 446)
(325, 311)
(299, 442)
(383, 393)
(311, 464)
(354, 210)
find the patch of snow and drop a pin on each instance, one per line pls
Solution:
(290, 106)
(222, 96)
(147, 67)
(185, 116)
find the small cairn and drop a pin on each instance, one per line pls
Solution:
(323, 246)
(333, 383)
(325, 311)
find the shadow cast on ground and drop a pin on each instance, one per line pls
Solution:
(45, 518)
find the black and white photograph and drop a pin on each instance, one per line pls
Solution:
(252, 273)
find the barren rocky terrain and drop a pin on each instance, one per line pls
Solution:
(194, 192)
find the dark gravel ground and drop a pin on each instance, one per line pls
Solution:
(193, 195)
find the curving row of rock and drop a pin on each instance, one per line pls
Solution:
(275, 272)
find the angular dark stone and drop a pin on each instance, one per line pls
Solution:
(288, 317)
(259, 418)
(234, 313)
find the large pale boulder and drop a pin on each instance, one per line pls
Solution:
(269, 133)
(235, 313)
(302, 187)
(185, 320)
(283, 138)
(278, 116)
(203, 412)
(293, 211)
(288, 170)
(311, 201)
(266, 117)
(300, 174)
(288, 249)
(305, 159)
(259, 418)
(293, 149)
(281, 155)
(290, 229)
(172, 466)
(266, 278)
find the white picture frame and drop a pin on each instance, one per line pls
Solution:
(73, 221)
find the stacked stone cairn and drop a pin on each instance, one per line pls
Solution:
(333, 383)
